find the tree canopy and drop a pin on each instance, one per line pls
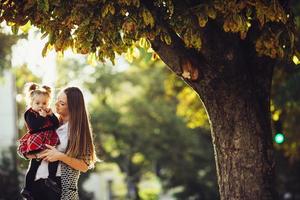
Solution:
(108, 27)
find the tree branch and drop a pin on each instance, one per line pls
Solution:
(176, 55)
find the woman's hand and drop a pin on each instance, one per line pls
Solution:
(34, 155)
(51, 154)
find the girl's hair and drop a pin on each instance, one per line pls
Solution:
(80, 143)
(33, 89)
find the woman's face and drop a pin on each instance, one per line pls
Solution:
(61, 104)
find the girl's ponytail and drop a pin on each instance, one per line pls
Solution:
(29, 87)
(47, 89)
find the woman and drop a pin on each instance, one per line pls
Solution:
(76, 152)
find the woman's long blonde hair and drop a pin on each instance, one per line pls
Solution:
(80, 143)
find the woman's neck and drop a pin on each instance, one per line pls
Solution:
(64, 119)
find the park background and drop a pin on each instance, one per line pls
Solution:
(150, 128)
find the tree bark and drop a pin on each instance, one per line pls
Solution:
(234, 86)
(241, 132)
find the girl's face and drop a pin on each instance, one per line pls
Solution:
(61, 104)
(39, 102)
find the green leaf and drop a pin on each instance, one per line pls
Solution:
(45, 49)
(44, 35)
(43, 5)
(15, 29)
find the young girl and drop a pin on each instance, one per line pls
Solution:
(41, 124)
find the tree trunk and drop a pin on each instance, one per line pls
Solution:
(241, 134)
(237, 103)
(234, 85)
(242, 142)
(237, 100)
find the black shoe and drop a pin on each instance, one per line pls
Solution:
(26, 194)
(53, 185)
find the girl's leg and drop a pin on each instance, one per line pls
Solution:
(30, 175)
(29, 179)
(50, 182)
(52, 168)
(37, 189)
(41, 191)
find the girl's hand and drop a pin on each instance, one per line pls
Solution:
(43, 113)
(51, 154)
(49, 111)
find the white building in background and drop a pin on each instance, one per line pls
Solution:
(98, 185)
(104, 182)
(8, 114)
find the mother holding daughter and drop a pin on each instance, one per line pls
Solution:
(75, 151)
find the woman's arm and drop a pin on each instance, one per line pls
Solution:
(52, 155)
(74, 162)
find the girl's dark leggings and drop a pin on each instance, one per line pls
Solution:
(34, 164)
(40, 190)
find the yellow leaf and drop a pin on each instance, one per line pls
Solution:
(167, 39)
(112, 9)
(25, 28)
(136, 52)
(129, 56)
(15, 29)
(211, 13)
(148, 18)
(276, 115)
(45, 49)
(92, 59)
(202, 20)
(296, 60)
(142, 42)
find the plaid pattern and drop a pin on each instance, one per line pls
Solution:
(35, 139)
(32, 142)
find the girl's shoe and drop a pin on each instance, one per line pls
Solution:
(26, 194)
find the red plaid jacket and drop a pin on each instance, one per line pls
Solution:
(41, 131)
